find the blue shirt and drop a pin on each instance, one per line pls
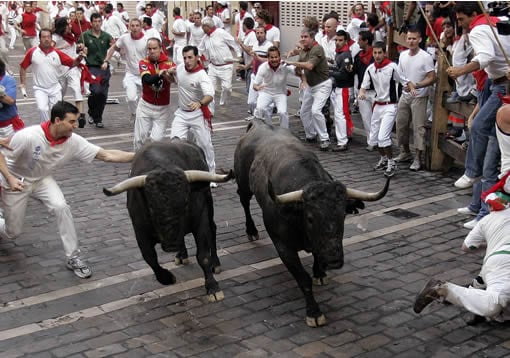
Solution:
(7, 112)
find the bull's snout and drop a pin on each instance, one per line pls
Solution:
(335, 263)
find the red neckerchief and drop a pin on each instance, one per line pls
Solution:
(107, 16)
(344, 48)
(137, 37)
(46, 129)
(323, 32)
(482, 20)
(210, 32)
(358, 17)
(366, 56)
(177, 17)
(148, 28)
(205, 109)
(268, 27)
(242, 13)
(273, 68)
(46, 51)
(86, 76)
(383, 63)
(248, 32)
(315, 43)
(350, 42)
(71, 40)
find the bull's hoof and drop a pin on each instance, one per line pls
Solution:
(217, 269)
(320, 281)
(166, 278)
(316, 322)
(216, 297)
(253, 237)
(178, 261)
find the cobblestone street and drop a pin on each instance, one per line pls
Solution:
(391, 250)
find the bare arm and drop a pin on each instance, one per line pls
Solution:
(111, 51)
(302, 65)
(114, 156)
(22, 76)
(14, 183)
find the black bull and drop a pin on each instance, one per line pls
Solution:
(168, 196)
(303, 208)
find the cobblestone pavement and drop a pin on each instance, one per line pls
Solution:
(391, 250)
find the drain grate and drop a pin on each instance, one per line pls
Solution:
(401, 214)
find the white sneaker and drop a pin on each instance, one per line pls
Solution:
(213, 185)
(471, 224)
(465, 211)
(465, 182)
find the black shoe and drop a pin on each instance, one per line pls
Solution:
(81, 121)
(309, 140)
(340, 148)
(427, 295)
(99, 125)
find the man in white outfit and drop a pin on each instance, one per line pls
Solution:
(196, 92)
(217, 46)
(196, 33)
(134, 47)
(179, 32)
(271, 83)
(36, 152)
(492, 298)
(46, 62)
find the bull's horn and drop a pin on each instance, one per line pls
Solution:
(362, 195)
(130, 183)
(200, 175)
(291, 197)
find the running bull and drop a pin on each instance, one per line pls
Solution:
(303, 208)
(168, 196)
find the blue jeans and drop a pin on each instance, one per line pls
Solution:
(483, 128)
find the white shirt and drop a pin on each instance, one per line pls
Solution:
(275, 81)
(217, 21)
(415, 69)
(239, 22)
(225, 15)
(63, 45)
(329, 47)
(124, 16)
(113, 26)
(273, 34)
(216, 47)
(152, 32)
(88, 11)
(488, 53)
(249, 40)
(381, 79)
(179, 26)
(46, 67)
(33, 158)
(504, 146)
(354, 28)
(196, 35)
(157, 20)
(134, 50)
(192, 87)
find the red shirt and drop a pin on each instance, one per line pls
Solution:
(157, 94)
(28, 24)
(75, 27)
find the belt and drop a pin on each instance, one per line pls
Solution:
(223, 64)
(500, 80)
(384, 103)
(6, 123)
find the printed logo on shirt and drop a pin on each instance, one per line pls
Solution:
(144, 67)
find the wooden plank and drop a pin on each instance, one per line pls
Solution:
(452, 149)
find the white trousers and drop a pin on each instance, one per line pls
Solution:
(340, 100)
(194, 122)
(133, 86)
(47, 191)
(46, 98)
(314, 98)
(223, 74)
(491, 302)
(365, 110)
(151, 121)
(383, 117)
(264, 109)
(72, 80)
(12, 35)
(252, 95)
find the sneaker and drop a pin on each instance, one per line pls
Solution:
(99, 125)
(370, 148)
(309, 139)
(91, 120)
(415, 166)
(80, 268)
(466, 98)
(427, 295)
(465, 182)
(381, 164)
(404, 157)
(82, 121)
(471, 224)
(390, 169)
(340, 148)
(324, 146)
(454, 98)
(298, 114)
(213, 185)
(465, 211)
(249, 118)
